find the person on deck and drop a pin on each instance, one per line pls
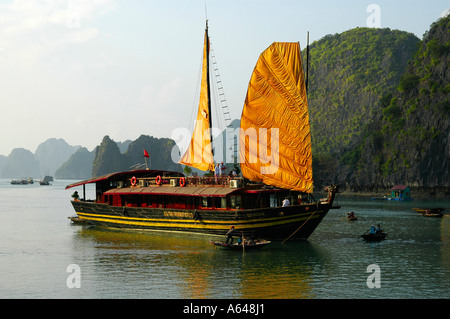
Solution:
(222, 169)
(217, 172)
(75, 196)
(286, 202)
(230, 234)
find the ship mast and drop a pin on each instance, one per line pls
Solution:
(209, 86)
(307, 62)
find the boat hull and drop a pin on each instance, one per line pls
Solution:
(374, 237)
(274, 223)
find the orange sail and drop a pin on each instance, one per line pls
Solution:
(275, 139)
(199, 153)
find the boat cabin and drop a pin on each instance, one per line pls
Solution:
(400, 192)
(163, 189)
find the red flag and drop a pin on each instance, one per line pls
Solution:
(146, 153)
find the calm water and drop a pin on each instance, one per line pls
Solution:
(38, 243)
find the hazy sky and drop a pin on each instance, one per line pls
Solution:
(80, 69)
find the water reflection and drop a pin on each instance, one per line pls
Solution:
(165, 265)
(414, 261)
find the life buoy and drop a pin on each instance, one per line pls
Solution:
(158, 180)
(133, 181)
(182, 182)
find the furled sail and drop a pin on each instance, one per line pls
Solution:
(199, 153)
(275, 140)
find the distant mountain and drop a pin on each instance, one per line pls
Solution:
(3, 160)
(159, 150)
(79, 165)
(48, 157)
(52, 153)
(123, 146)
(21, 164)
(108, 158)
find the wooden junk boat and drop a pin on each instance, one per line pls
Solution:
(275, 160)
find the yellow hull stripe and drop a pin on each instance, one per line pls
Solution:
(176, 223)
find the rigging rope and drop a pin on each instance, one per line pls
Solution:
(317, 208)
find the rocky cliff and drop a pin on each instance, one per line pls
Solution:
(79, 165)
(21, 164)
(406, 138)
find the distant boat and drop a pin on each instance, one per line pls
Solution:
(46, 181)
(351, 216)
(22, 181)
(430, 212)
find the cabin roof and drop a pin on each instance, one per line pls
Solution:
(209, 191)
(399, 187)
(129, 174)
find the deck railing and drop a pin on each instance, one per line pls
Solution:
(218, 181)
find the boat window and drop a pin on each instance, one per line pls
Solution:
(205, 202)
(235, 201)
(220, 202)
(273, 200)
(224, 202)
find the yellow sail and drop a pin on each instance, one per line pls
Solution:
(199, 152)
(275, 140)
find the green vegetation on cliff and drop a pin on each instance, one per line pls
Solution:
(415, 121)
(109, 159)
(395, 127)
(349, 72)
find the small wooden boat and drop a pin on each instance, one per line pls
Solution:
(238, 246)
(351, 216)
(430, 212)
(374, 237)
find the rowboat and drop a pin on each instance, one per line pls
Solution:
(238, 246)
(374, 237)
